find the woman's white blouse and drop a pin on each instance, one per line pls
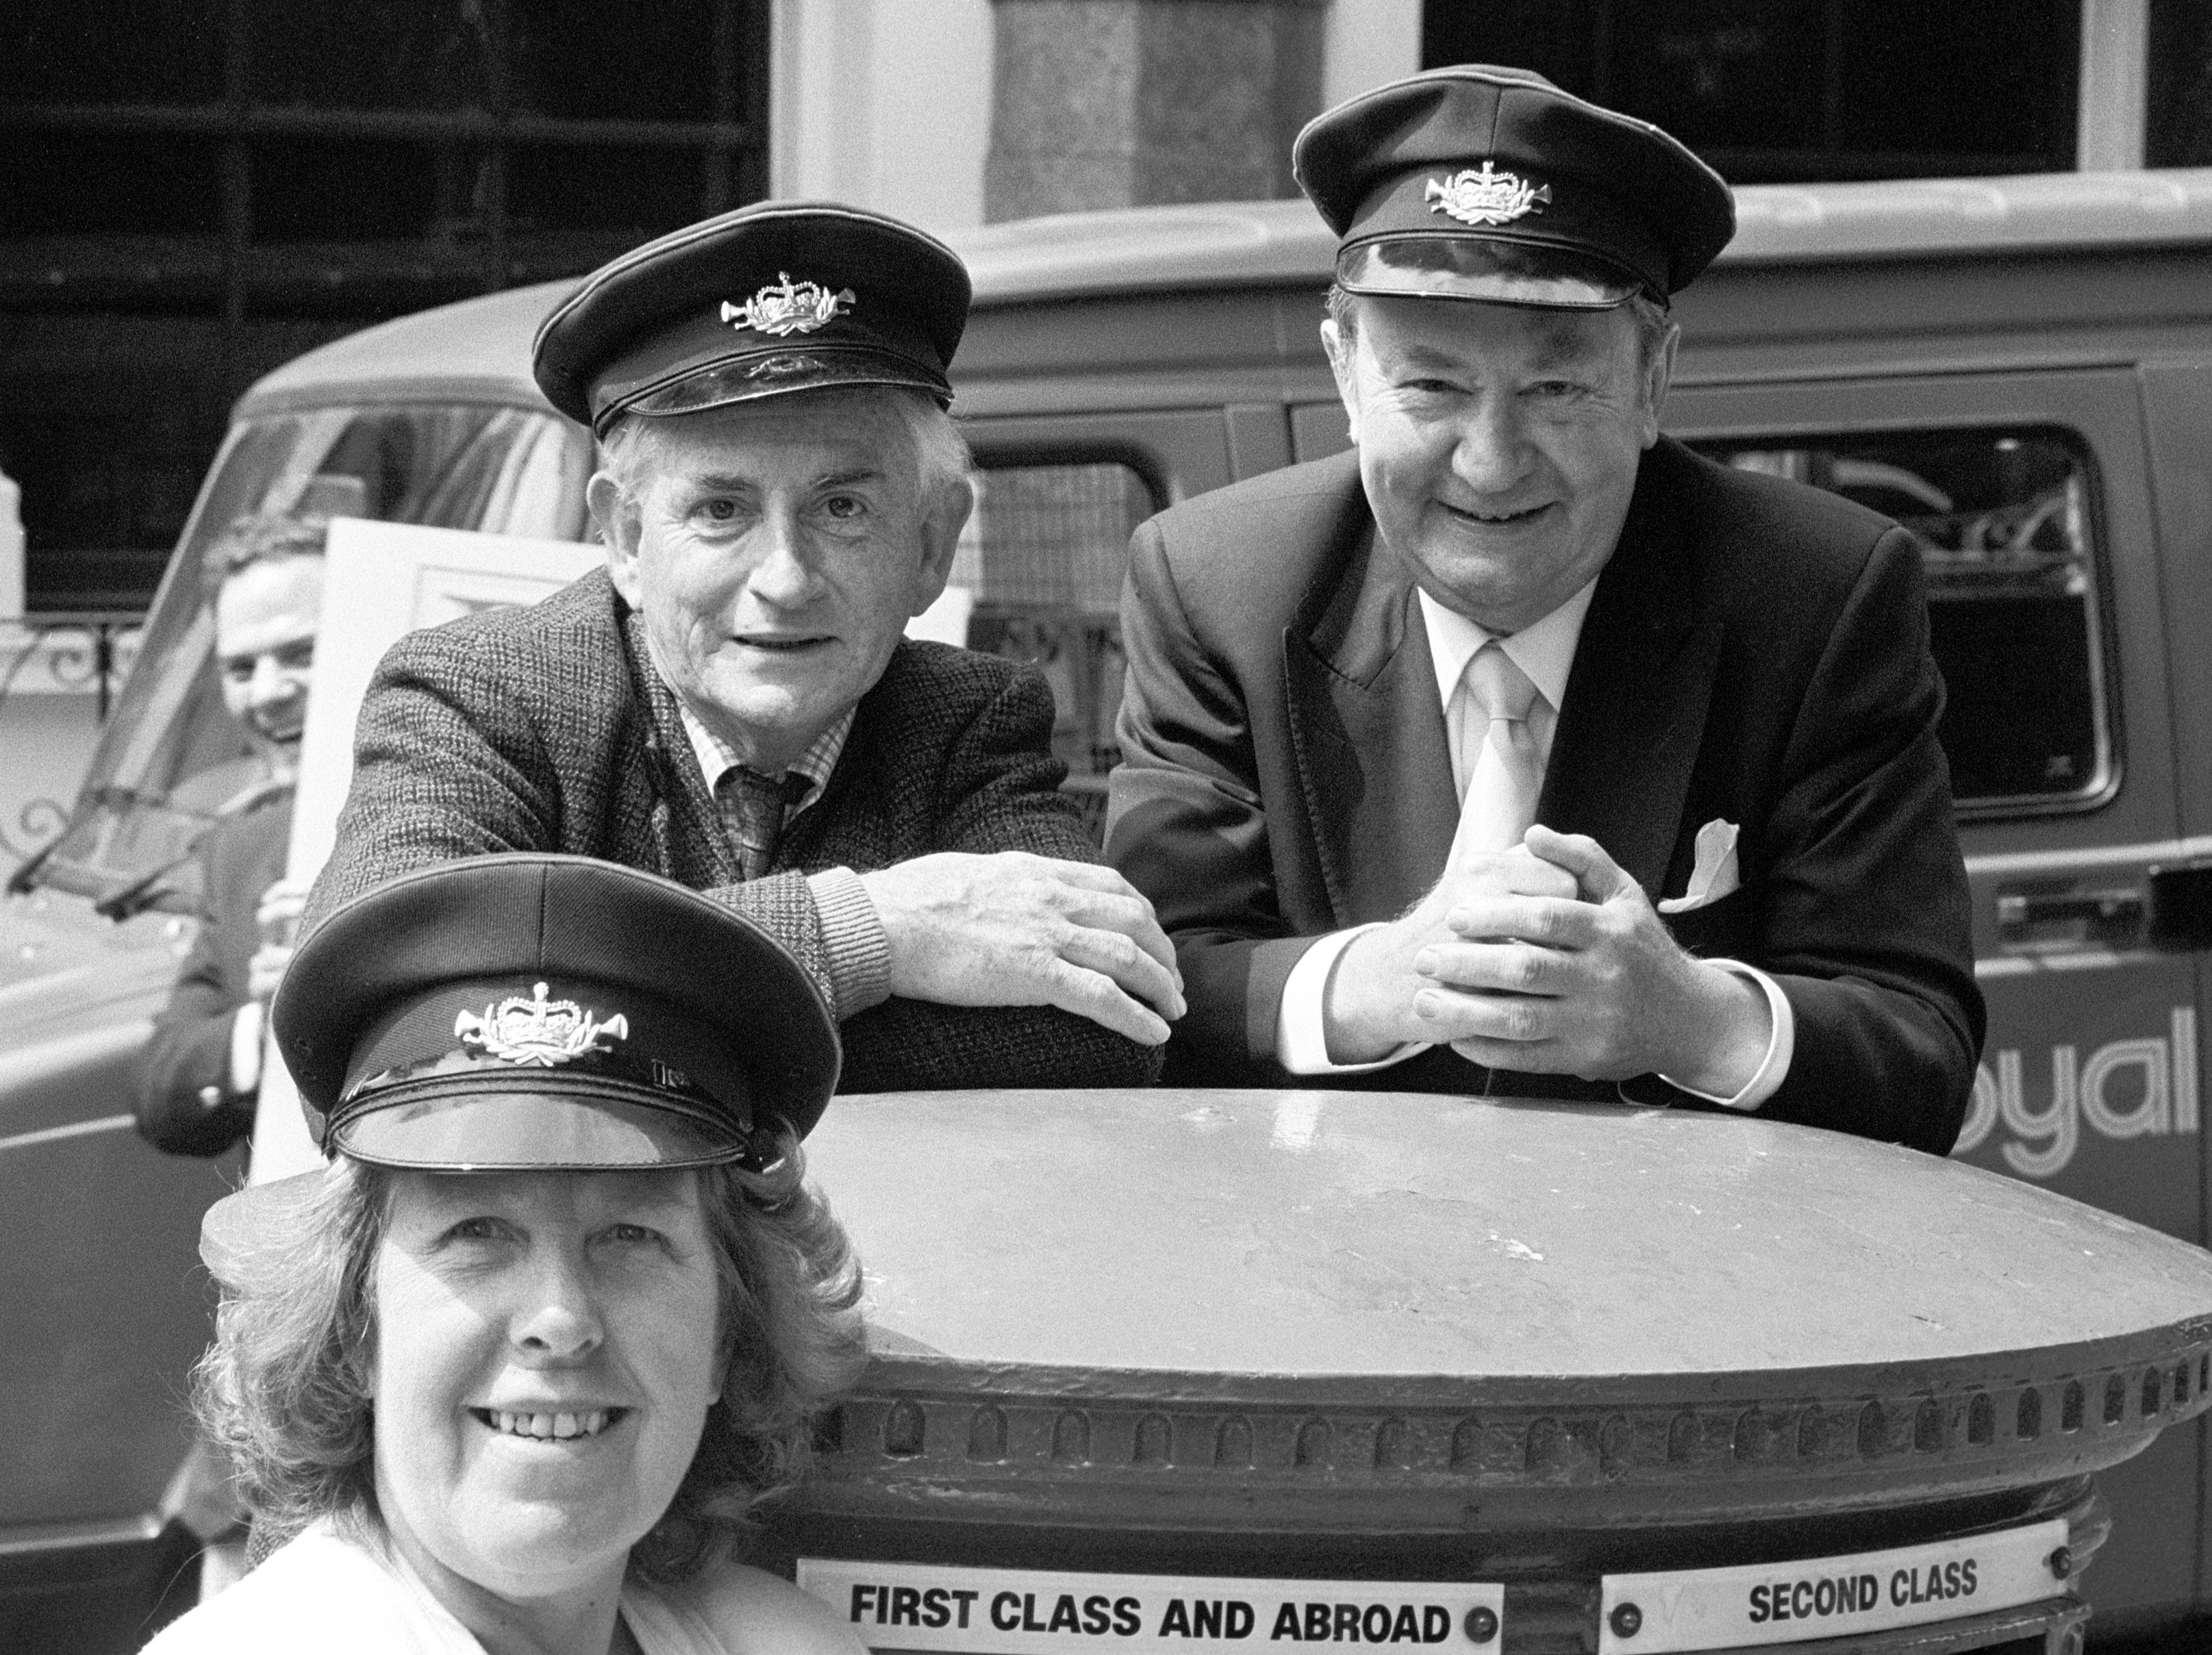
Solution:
(324, 1593)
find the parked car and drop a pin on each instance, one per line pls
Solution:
(2021, 370)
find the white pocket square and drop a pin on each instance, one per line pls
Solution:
(1715, 875)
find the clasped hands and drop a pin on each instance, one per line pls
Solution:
(1548, 959)
(1012, 929)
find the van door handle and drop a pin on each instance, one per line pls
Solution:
(2171, 909)
(2067, 916)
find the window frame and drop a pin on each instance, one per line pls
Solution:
(2107, 752)
(2097, 405)
(1092, 635)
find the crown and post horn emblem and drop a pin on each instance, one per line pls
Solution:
(785, 307)
(1488, 197)
(538, 1033)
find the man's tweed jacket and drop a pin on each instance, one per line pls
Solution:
(546, 729)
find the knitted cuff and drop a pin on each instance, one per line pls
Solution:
(860, 954)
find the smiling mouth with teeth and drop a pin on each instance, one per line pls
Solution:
(548, 1428)
(1493, 517)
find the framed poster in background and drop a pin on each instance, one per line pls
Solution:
(382, 581)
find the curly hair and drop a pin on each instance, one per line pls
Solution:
(285, 1389)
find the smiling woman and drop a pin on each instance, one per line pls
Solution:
(511, 1373)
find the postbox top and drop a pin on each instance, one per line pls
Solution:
(1306, 1235)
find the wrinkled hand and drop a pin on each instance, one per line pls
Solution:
(1370, 1003)
(1590, 985)
(277, 919)
(1012, 929)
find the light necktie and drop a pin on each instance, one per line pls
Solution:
(753, 808)
(1501, 792)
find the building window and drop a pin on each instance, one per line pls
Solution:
(1777, 91)
(486, 143)
(199, 191)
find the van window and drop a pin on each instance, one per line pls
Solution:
(1043, 555)
(2006, 522)
(170, 761)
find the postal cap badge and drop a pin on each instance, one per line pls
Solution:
(538, 1033)
(1488, 196)
(785, 307)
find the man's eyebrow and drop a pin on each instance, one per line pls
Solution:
(733, 482)
(1420, 356)
(246, 656)
(1565, 346)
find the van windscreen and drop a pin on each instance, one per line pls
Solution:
(172, 761)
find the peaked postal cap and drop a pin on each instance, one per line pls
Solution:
(534, 1013)
(552, 1012)
(1489, 182)
(778, 297)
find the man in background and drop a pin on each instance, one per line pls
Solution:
(200, 1073)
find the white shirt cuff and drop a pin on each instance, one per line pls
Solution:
(245, 1026)
(1781, 1045)
(1301, 1027)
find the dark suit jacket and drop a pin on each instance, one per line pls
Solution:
(190, 1051)
(1755, 651)
(547, 728)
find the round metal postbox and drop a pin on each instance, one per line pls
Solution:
(1401, 1368)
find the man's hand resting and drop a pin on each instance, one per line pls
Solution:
(1590, 984)
(1012, 929)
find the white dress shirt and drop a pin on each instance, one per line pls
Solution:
(1545, 650)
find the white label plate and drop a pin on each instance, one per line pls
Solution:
(1832, 1597)
(915, 1606)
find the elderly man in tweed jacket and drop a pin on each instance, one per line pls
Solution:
(729, 703)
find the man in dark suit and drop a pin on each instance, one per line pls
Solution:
(1522, 751)
(731, 703)
(199, 1074)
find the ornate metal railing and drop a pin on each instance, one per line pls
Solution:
(62, 652)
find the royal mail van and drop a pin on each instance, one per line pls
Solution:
(2019, 370)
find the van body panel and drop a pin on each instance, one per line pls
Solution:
(1178, 451)
(2178, 406)
(1959, 315)
(476, 349)
(1117, 361)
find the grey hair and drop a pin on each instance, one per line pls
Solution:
(939, 451)
(1649, 315)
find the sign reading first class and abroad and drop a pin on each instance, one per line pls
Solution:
(983, 1611)
(1041, 1612)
